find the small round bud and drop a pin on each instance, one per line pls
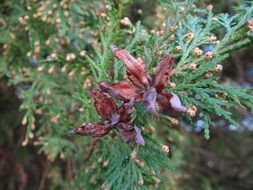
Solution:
(125, 21)
(173, 28)
(51, 69)
(100, 160)
(181, 9)
(37, 50)
(108, 7)
(165, 149)
(37, 43)
(33, 126)
(36, 143)
(82, 53)
(65, 6)
(191, 113)
(35, 15)
(159, 53)
(38, 111)
(189, 35)
(208, 74)
(87, 83)
(62, 156)
(66, 14)
(208, 55)
(249, 25)
(178, 48)
(193, 107)
(212, 39)
(21, 20)
(172, 85)
(141, 60)
(29, 54)
(224, 95)
(163, 25)
(152, 31)
(193, 7)
(68, 57)
(218, 68)
(83, 73)
(24, 121)
(197, 52)
(72, 56)
(139, 163)
(105, 163)
(58, 21)
(49, 13)
(153, 172)
(209, 7)
(192, 66)
(24, 143)
(55, 119)
(54, 6)
(63, 69)
(171, 38)
(103, 15)
(62, 3)
(40, 68)
(31, 136)
(48, 92)
(133, 155)
(5, 46)
(71, 74)
(161, 32)
(54, 56)
(174, 121)
(157, 180)
(12, 36)
(81, 110)
(139, 11)
(104, 187)
(82, 30)
(47, 42)
(140, 181)
(157, 33)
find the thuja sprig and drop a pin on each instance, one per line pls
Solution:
(141, 88)
(194, 73)
(198, 32)
(61, 49)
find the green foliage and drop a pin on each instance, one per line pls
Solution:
(47, 53)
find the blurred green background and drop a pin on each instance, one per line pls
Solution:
(223, 162)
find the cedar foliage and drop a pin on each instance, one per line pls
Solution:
(41, 44)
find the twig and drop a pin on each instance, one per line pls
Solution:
(70, 166)
(90, 149)
(22, 174)
(44, 175)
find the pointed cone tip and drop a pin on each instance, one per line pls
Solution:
(72, 132)
(113, 47)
